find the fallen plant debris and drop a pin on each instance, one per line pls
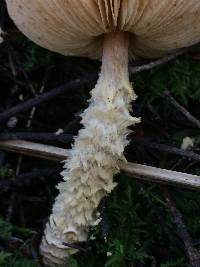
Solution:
(133, 170)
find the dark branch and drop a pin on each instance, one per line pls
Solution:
(42, 137)
(182, 109)
(166, 148)
(68, 138)
(39, 99)
(182, 232)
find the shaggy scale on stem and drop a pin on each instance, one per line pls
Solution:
(95, 157)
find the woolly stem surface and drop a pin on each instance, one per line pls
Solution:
(95, 156)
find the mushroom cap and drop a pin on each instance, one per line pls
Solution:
(76, 27)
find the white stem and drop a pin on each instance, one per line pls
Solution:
(95, 156)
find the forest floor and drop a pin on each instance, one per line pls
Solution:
(144, 224)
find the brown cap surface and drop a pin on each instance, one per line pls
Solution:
(76, 27)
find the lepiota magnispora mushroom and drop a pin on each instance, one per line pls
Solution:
(111, 30)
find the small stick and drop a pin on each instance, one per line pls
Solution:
(13, 194)
(34, 150)
(182, 109)
(161, 61)
(133, 170)
(77, 246)
(192, 253)
(32, 136)
(37, 100)
(68, 138)
(155, 63)
(165, 148)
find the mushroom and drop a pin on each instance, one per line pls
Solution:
(113, 31)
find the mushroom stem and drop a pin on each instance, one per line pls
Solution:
(95, 156)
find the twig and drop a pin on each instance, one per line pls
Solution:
(166, 148)
(182, 109)
(68, 138)
(133, 170)
(34, 150)
(34, 136)
(37, 100)
(155, 63)
(13, 195)
(161, 176)
(161, 61)
(192, 253)
(78, 246)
